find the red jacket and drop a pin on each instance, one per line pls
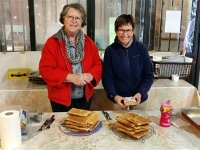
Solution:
(54, 67)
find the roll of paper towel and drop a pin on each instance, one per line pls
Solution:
(10, 129)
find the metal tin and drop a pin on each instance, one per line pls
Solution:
(18, 73)
(192, 115)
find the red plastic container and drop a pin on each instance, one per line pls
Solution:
(166, 111)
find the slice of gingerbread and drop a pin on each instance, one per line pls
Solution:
(130, 102)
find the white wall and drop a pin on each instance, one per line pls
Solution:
(18, 60)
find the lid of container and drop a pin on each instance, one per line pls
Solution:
(167, 104)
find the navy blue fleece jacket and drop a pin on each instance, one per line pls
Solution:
(127, 71)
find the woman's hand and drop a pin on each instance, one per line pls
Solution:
(77, 79)
(118, 99)
(87, 77)
(137, 97)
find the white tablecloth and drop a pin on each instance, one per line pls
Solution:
(164, 138)
(180, 93)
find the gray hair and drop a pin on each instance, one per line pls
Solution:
(76, 6)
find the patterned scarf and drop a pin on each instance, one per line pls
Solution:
(79, 46)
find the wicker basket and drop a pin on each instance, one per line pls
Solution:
(164, 70)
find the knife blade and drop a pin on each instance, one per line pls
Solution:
(51, 121)
(106, 114)
(43, 125)
(46, 123)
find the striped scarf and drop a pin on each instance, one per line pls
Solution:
(79, 46)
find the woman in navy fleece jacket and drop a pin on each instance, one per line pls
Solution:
(127, 68)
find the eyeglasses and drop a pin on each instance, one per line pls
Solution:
(121, 31)
(77, 19)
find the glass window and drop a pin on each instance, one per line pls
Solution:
(47, 13)
(165, 41)
(14, 22)
(106, 11)
(150, 19)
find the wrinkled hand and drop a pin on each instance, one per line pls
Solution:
(137, 97)
(77, 79)
(87, 77)
(118, 99)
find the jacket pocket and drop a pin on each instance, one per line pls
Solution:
(58, 93)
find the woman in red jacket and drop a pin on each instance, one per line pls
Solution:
(70, 63)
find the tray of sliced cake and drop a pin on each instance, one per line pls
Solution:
(132, 126)
(81, 122)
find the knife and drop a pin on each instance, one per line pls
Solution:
(106, 115)
(50, 122)
(46, 123)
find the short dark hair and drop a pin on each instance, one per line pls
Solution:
(124, 19)
(77, 6)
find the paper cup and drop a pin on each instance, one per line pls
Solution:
(175, 77)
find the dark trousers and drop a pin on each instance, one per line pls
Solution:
(80, 103)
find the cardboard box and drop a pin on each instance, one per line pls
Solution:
(18, 73)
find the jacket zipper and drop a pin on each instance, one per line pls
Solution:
(127, 57)
(66, 66)
(63, 56)
(86, 84)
